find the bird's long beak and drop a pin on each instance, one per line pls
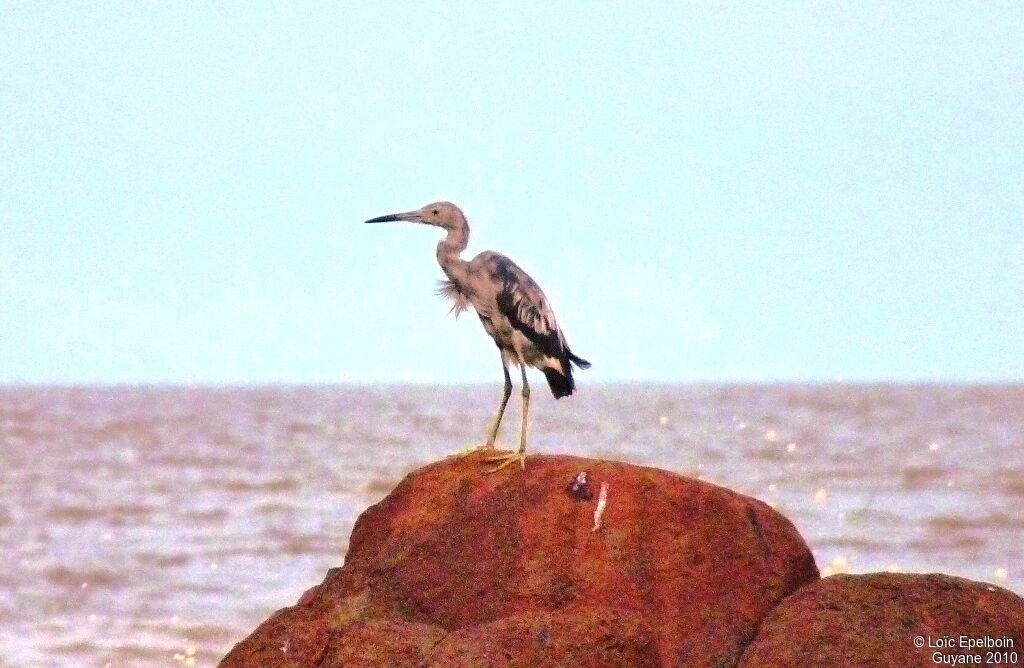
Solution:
(411, 216)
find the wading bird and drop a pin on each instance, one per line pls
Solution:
(512, 309)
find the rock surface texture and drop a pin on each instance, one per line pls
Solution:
(879, 619)
(457, 568)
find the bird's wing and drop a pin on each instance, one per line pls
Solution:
(521, 300)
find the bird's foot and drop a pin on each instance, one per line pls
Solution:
(507, 460)
(472, 449)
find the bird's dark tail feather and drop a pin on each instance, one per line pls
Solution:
(561, 384)
(578, 361)
(560, 380)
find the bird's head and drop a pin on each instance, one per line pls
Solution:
(439, 214)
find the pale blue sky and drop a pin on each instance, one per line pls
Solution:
(705, 190)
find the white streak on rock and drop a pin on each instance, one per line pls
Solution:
(602, 501)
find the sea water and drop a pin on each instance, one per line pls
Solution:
(152, 526)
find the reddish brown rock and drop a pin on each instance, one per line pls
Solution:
(575, 636)
(375, 643)
(873, 620)
(681, 572)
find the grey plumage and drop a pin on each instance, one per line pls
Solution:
(511, 306)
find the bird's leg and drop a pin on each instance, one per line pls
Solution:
(519, 455)
(492, 431)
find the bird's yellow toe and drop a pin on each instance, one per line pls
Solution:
(507, 460)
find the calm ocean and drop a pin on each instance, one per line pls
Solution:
(151, 526)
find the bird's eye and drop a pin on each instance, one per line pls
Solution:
(434, 212)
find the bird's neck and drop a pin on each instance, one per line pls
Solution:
(448, 251)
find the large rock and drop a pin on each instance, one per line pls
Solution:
(456, 567)
(888, 619)
(573, 636)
